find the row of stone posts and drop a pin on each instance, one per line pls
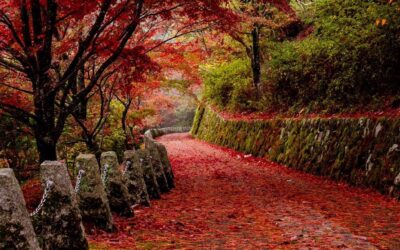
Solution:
(144, 175)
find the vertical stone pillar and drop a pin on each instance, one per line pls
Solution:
(135, 178)
(169, 174)
(117, 192)
(92, 196)
(16, 230)
(59, 222)
(158, 168)
(148, 173)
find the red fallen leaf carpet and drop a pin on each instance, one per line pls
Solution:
(225, 200)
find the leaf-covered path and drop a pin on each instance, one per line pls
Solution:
(226, 200)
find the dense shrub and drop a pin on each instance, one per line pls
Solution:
(229, 85)
(351, 59)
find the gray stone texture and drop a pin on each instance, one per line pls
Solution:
(135, 178)
(153, 188)
(16, 230)
(117, 191)
(166, 164)
(92, 197)
(158, 167)
(59, 224)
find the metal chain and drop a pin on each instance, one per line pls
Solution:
(81, 173)
(141, 161)
(127, 165)
(105, 173)
(49, 187)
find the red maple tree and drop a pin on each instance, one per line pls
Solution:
(48, 47)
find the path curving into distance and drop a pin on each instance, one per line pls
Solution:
(226, 200)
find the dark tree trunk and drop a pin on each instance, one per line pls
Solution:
(256, 59)
(124, 125)
(93, 146)
(46, 147)
(82, 107)
(46, 133)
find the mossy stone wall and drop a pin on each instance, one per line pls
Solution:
(363, 152)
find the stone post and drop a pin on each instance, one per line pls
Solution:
(158, 168)
(117, 192)
(16, 230)
(135, 178)
(148, 173)
(169, 174)
(59, 224)
(92, 196)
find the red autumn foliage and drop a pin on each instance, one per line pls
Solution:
(227, 200)
(32, 191)
(48, 48)
(254, 116)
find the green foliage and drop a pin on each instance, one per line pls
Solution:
(350, 59)
(115, 142)
(228, 85)
(17, 148)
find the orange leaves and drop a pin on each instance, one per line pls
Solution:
(381, 22)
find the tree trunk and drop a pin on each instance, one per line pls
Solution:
(256, 59)
(124, 125)
(45, 130)
(93, 146)
(46, 147)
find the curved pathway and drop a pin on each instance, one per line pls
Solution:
(227, 200)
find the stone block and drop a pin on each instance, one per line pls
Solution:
(158, 167)
(16, 230)
(148, 173)
(117, 191)
(134, 175)
(92, 196)
(162, 150)
(59, 224)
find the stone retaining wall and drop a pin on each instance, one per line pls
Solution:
(363, 152)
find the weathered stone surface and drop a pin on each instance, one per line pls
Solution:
(361, 151)
(16, 230)
(92, 197)
(153, 133)
(135, 178)
(158, 168)
(59, 224)
(148, 173)
(117, 191)
(169, 174)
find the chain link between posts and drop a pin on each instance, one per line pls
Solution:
(127, 165)
(105, 174)
(49, 187)
(78, 183)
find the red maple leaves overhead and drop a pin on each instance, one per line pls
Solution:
(49, 47)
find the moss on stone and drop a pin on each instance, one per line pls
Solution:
(337, 148)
